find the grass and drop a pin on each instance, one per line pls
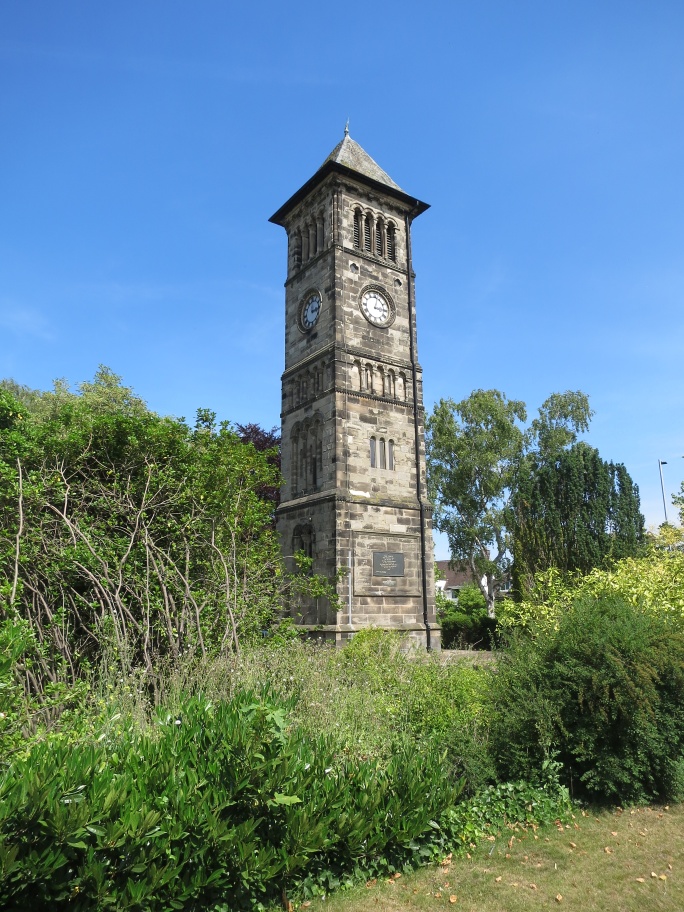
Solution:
(628, 860)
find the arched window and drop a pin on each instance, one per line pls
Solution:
(297, 250)
(391, 385)
(378, 237)
(381, 382)
(401, 387)
(303, 542)
(294, 476)
(313, 238)
(356, 375)
(390, 455)
(357, 229)
(320, 227)
(373, 452)
(305, 244)
(368, 232)
(369, 378)
(391, 243)
(303, 480)
(383, 457)
(315, 454)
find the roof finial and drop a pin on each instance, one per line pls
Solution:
(346, 128)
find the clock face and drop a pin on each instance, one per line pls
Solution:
(311, 309)
(376, 308)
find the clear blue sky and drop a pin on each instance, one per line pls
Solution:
(143, 146)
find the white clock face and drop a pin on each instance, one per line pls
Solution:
(375, 308)
(310, 312)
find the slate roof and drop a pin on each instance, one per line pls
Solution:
(346, 157)
(351, 155)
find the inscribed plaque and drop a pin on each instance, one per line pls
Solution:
(388, 563)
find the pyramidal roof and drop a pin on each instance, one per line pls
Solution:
(345, 157)
(351, 155)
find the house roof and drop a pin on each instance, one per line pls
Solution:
(453, 579)
(349, 159)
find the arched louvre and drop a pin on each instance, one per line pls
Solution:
(391, 243)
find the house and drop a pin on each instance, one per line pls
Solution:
(450, 581)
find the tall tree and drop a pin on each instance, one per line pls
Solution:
(574, 511)
(475, 449)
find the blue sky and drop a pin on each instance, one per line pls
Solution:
(143, 146)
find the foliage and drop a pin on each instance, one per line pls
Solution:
(134, 536)
(603, 692)
(654, 581)
(472, 449)
(678, 501)
(224, 803)
(466, 623)
(573, 511)
(474, 452)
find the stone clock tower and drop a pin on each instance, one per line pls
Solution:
(353, 454)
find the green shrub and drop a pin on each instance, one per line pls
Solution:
(221, 807)
(465, 623)
(604, 692)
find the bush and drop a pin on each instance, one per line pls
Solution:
(465, 623)
(604, 692)
(224, 806)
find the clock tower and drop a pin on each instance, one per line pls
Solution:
(353, 454)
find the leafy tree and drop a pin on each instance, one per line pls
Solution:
(678, 501)
(128, 534)
(267, 442)
(574, 511)
(476, 452)
(473, 448)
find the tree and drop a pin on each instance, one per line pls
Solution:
(126, 534)
(475, 449)
(572, 510)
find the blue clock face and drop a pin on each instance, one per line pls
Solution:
(310, 312)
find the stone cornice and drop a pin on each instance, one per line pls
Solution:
(387, 400)
(337, 349)
(308, 500)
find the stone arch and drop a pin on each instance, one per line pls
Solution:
(391, 241)
(358, 227)
(379, 237)
(368, 227)
(357, 375)
(295, 455)
(320, 232)
(296, 248)
(391, 384)
(304, 540)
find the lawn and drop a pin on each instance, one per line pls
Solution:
(628, 860)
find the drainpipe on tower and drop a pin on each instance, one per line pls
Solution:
(416, 431)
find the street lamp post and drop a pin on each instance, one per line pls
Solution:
(661, 463)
